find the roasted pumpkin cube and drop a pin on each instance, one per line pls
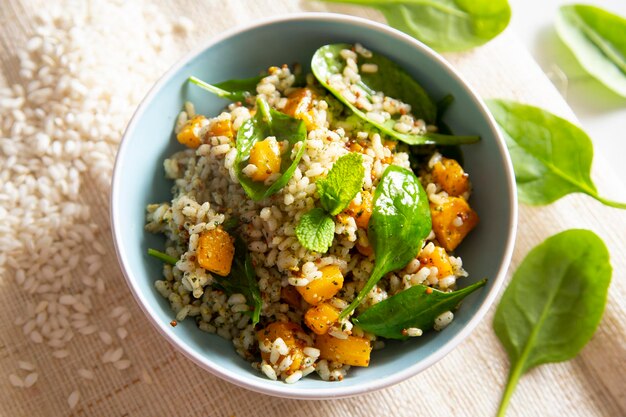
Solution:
(215, 251)
(354, 351)
(361, 211)
(300, 105)
(265, 155)
(452, 221)
(189, 135)
(292, 335)
(438, 258)
(221, 127)
(319, 318)
(324, 287)
(449, 174)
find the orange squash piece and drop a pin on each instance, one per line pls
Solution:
(354, 351)
(221, 127)
(291, 335)
(189, 135)
(449, 231)
(361, 212)
(322, 288)
(439, 258)
(449, 174)
(215, 251)
(319, 318)
(265, 155)
(300, 105)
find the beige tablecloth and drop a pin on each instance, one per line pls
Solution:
(469, 381)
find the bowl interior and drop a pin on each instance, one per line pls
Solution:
(139, 180)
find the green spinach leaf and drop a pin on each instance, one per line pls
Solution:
(400, 222)
(553, 304)
(268, 122)
(417, 306)
(445, 25)
(551, 156)
(394, 82)
(343, 182)
(242, 280)
(234, 90)
(597, 38)
(316, 230)
(164, 257)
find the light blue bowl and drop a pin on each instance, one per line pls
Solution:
(139, 180)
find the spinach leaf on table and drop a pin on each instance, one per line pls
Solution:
(551, 156)
(268, 122)
(235, 90)
(553, 304)
(597, 38)
(400, 222)
(417, 306)
(444, 25)
(394, 82)
(242, 280)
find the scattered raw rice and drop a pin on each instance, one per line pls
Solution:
(59, 127)
(16, 381)
(27, 366)
(105, 337)
(122, 364)
(73, 398)
(86, 373)
(122, 333)
(60, 354)
(30, 379)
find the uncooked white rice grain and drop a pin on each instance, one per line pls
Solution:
(105, 337)
(116, 355)
(121, 333)
(27, 366)
(73, 398)
(124, 318)
(30, 379)
(88, 330)
(86, 373)
(36, 337)
(16, 381)
(117, 311)
(60, 354)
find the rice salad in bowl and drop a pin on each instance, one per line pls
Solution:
(316, 216)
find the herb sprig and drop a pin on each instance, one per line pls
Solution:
(316, 229)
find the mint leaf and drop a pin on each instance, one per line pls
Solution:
(316, 230)
(343, 182)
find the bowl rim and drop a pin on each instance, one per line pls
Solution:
(333, 391)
